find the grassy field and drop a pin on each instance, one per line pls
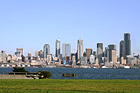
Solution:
(69, 86)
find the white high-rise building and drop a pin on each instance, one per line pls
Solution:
(92, 59)
(114, 56)
(49, 59)
(79, 49)
(66, 51)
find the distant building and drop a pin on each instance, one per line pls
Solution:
(128, 59)
(112, 53)
(114, 56)
(92, 59)
(106, 54)
(83, 60)
(127, 43)
(18, 54)
(94, 53)
(122, 50)
(29, 57)
(36, 53)
(73, 60)
(41, 54)
(49, 59)
(57, 45)
(66, 53)
(9, 58)
(3, 57)
(46, 50)
(100, 51)
(88, 53)
(20, 50)
(79, 49)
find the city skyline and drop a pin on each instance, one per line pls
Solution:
(98, 46)
(31, 24)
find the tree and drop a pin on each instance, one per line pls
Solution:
(19, 69)
(44, 74)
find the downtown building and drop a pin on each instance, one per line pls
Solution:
(122, 52)
(66, 53)
(79, 51)
(127, 45)
(100, 52)
(57, 48)
(46, 50)
(88, 53)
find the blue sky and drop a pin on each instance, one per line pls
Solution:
(30, 24)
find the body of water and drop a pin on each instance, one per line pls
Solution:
(87, 73)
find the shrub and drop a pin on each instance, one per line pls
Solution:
(44, 74)
(19, 69)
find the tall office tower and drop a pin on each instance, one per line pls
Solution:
(66, 52)
(127, 44)
(20, 50)
(122, 50)
(112, 51)
(114, 56)
(106, 54)
(88, 53)
(79, 49)
(57, 45)
(46, 50)
(100, 51)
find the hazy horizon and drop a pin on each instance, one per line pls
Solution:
(31, 24)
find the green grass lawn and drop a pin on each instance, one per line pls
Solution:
(69, 86)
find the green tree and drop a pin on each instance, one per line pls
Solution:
(44, 74)
(19, 69)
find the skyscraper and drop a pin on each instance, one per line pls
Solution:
(112, 52)
(46, 50)
(127, 43)
(106, 54)
(88, 53)
(100, 51)
(66, 51)
(114, 56)
(79, 49)
(122, 49)
(57, 45)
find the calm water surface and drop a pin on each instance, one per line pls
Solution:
(85, 73)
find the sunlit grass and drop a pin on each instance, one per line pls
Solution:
(69, 86)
